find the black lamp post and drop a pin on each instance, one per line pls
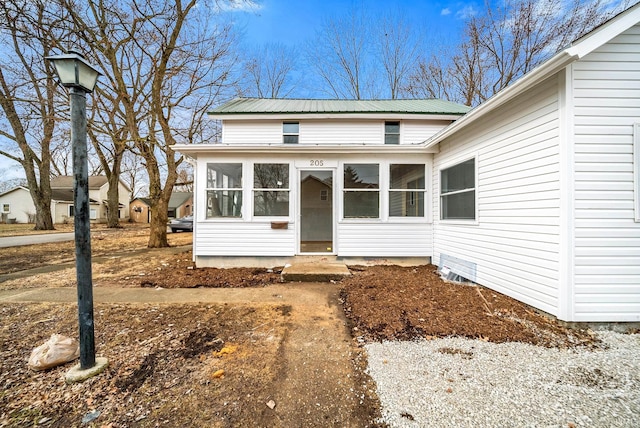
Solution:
(80, 77)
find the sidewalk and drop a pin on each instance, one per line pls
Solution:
(290, 293)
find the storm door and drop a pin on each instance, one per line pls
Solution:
(316, 211)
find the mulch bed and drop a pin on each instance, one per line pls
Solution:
(397, 303)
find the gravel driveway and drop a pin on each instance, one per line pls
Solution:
(471, 383)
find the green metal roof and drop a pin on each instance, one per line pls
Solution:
(276, 106)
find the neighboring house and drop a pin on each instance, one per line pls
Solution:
(535, 193)
(17, 203)
(62, 199)
(16, 206)
(140, 210)
(180, 205)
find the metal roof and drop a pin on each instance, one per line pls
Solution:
(310, 106)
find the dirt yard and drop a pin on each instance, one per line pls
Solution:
(228, 365)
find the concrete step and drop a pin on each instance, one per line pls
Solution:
(315, 272)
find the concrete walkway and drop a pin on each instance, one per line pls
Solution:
(298, 293)
(15, 241)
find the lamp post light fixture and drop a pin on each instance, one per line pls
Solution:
(80, 77)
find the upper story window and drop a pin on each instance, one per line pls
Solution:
(224, 190)
(406, 190)
(458, 191)
(362, 190)
(290, 132)
(392, 132)
(271, 189)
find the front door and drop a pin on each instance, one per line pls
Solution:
(316, 211)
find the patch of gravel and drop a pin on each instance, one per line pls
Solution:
(469, 383)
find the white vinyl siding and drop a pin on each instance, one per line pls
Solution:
(239, 132)
(606, 96)
(515, 241)
(417, 131)
(342, 132)
(244, 239)
(384, 239)
(327, 132)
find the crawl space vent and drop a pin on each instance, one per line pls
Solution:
(458, 270)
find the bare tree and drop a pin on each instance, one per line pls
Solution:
(166, 63)
(268, 71)
(397, 50)
(359, 56)
(184, 183)
(29, 30)
(133, 174)
(11, 183)
(340, 56)
(503, 44)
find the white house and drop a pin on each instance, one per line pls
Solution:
(346, 178)
(98, 188)
(17, 203)
(535, 193)
(17, 206)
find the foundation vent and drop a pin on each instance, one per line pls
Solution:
(454, 269)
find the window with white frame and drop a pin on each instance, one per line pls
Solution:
(406, 190)
(361, 190)
(6, 208)
(224, 190)
(271, 189)
(71, 211)
(458, 191)
(392, 132)
(290, 132)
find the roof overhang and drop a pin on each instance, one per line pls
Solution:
(324, 116)
(194, 149)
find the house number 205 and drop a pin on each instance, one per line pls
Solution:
(316, 162)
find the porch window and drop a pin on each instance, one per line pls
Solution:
(361, 190)
(392, 132)
(224, 190)
(290, 132)
(406, 190)
(271, 189)
(458, 191)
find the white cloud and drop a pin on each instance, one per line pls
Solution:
(466, 12)
(446, 11)
(239, 6)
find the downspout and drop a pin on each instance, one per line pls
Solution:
(566, 269)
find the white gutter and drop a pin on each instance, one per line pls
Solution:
(301, 148)
(324, 116)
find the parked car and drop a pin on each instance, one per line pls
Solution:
(182, 224)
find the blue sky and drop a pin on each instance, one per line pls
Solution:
(292, 22)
